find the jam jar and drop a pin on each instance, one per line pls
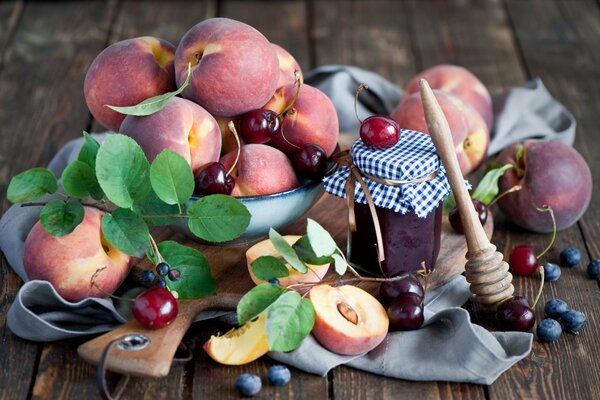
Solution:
(406, 184)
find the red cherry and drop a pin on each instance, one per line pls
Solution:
(379, 132)
(155, 308)
(406, 312)
(390, 290)
(456, 222)
(213, 179)
(259, 126)
(515, 315)
(522, 260)
(310, 161)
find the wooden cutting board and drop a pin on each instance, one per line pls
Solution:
(229, 268)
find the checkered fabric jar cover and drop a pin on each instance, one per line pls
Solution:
(413, 157)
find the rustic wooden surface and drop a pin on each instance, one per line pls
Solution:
(46, 47)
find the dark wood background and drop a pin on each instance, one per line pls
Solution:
(46, 48)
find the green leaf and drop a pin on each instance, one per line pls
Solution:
(153, 104)
(127, 231)
(217, 218)
(60, 218)
(171, 177)
(519, 154)
(286, 251)
(79, 180)
(305, 252)
(488, 186)
(89, 150)
(195, 278)
(256, 300)
(320, 240)
(289, 321)
(449, 203)
(122, 170)
(340, 264)
(151, 206)
(31, 185)
(269, 267)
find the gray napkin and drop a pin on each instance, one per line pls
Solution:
(449, 347)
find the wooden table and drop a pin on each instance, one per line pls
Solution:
(46, 48)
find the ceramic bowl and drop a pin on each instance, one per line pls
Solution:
(269, 211)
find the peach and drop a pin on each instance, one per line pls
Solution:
(469, 131)
(181, 126)
(242, 345)
(459, 82)
(312, 119)
(551, 173)
(265, 248)
(234, 67)
(125, 74)
(287, 66)
(69, 262)
(348, 320)
(260, 170)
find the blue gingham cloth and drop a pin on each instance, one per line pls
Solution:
(413, 157)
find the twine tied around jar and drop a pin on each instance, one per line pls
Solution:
(344, 159)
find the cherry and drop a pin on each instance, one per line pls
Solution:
(390, 290)
(515, 315)
(155, 308)
(379, 132)
(522, 260)
(456, 222)
(213, 179)
(406, 312)
(259, 126)
(310, 161)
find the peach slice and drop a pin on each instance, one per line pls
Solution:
(265, 248)
(348, 320)
(240, 346)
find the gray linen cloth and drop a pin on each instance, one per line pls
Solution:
(448, 347)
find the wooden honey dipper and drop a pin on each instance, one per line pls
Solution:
(485, 270)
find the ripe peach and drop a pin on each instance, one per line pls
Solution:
(287, 66)
(348, 320)
(551, 173)
(182, 126)
(234, 67)
(469, 132)
(312, 119)
(69, 262)
(126, 73)
(260, 170)
(459, 82)
(265, 248)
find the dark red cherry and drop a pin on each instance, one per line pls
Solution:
(390, 290)
(454, 216)
(515, 315)
(379, 132)
(310, 161)
(259, 126)
(522, 260)
(155, 308)
(213, 179)
(406, 312)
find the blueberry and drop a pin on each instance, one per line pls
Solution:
(174, 275)
(551, 272)
(274, 281)
(593, 269)
(548, 330)
(278, 375)
(555, 308)
(161, 282)
(162, 268)
(147, 276)
(573, 320)
(570, 257)
(248, 384)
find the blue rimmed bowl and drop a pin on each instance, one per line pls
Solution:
(269, 211)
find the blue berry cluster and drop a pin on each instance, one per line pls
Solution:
(162, 269)
(570, 257)
(558, 317)
(249, 385)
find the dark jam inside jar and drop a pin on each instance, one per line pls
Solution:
(407, 239)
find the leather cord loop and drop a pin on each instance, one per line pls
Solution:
(101, 376)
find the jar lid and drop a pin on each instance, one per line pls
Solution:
(413, 163)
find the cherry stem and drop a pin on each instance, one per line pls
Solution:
(286, 140)
(539, 292)
(94, 284)
(154, 248)
(298, 84)
(231, 126)
(513, 189)
(359, 89)
(547, 208)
